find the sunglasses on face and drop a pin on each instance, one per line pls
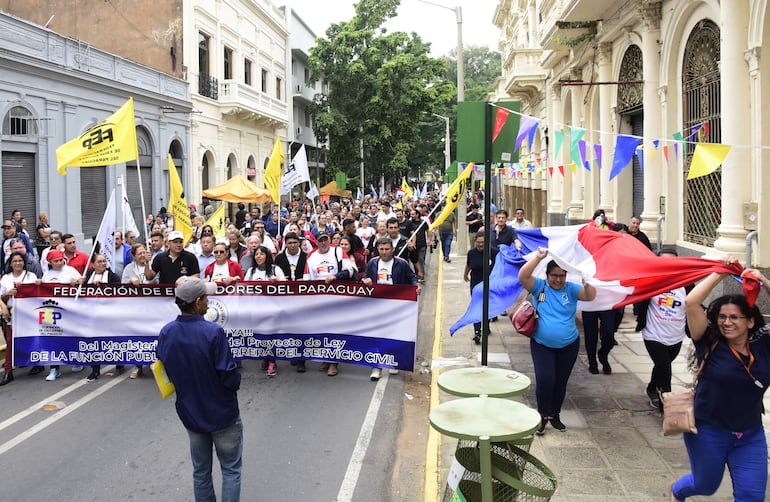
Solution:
(219, 252)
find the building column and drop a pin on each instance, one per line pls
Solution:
(556, 185)
(736, 128)
(577, 201)
(606, 124)
(651, 15)
(761, 183)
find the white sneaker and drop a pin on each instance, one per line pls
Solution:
(52, 375)
(376, 372)
(393, 371)
(77, 369)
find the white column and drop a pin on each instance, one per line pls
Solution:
(651, 14)
(736, 128)
(577, 178)
(556, 185)
(605, 124)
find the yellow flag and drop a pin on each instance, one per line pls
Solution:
(110, 142)
(405, 187)
(178, 203)
(453, 194)
(217, 221)
(706, 159)
(272, 178)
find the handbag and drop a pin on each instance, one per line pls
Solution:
(678, 412)
(524, 318)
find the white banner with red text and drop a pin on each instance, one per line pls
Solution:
(345, 322)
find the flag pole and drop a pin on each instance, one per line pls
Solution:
(488, 230)
(93, 246)
(141, 199)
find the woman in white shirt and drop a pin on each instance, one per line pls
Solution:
(263, 269)
(15, 275)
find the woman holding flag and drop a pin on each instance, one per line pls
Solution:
(556, 342)
(732, 354)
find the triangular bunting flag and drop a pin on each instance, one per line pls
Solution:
(575, 135)
(598, 152)
(625, 146)
(706, 159)
(527, 127)
(582, 145)
(559, 140)
(500, 118)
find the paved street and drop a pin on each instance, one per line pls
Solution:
(613, 449)
(306, 437)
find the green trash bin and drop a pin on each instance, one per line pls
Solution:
(516, 475)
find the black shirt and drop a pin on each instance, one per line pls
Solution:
(505, 236)
(420, 240)
(475, 262)
(478, 223)
(170, 270)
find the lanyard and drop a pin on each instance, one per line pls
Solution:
(747, 368)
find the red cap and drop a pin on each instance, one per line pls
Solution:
(55, 254)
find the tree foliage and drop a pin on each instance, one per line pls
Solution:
(379, 86)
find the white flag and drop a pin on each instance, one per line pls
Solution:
(359, 195)
(313, 192)
(129, 224)
(106, 233)
(374, 192)
(296, 173)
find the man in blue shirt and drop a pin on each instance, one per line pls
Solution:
(199, 363)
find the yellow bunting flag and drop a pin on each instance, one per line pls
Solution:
(706, 159)
(272, 178)
(453, 194)
(178, 203)
(217, 221)
(110, 142)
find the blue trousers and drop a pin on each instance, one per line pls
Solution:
(709, 450)
(229, 446)
(552, 370)
(446, 244)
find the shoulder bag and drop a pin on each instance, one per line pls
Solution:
(679, 409)
(524, 316)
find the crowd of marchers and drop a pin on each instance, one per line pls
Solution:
(374, 240)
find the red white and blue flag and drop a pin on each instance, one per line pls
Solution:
(621, 268)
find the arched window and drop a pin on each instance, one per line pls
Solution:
(701, 111)
(19, 122)
(631, 106)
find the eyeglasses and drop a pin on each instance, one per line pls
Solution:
(732, 318)
(219, 251)
(558, 276)
(6, 227)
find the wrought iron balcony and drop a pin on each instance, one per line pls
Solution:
(208, 86)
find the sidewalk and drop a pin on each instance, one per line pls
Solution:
(613, 449)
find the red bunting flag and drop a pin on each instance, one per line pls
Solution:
(665, 153)
(561, 170)
(500, 118)
(550, 171)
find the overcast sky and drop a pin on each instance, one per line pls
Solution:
(434, 24)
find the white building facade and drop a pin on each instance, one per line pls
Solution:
(652, 69)
(235, 54)
(54, 88)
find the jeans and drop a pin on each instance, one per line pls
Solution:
(446, 244)
(229, 445)
(595, 323)
(662, 356)
(709, 450)
(552, 370)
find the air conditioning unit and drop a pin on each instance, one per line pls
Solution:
(299, 131)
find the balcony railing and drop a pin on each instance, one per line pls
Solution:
(208, 86)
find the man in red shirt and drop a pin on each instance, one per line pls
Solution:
(73, 257)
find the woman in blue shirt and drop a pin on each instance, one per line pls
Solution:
(555, 344)
(733, 347)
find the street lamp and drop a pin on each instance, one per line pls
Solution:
(460, 59)
(447, 158)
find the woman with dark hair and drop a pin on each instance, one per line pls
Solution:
(15, 274)
(732, 357)
(556, 342)
(99, 273)
(346, 244)
(263, 269)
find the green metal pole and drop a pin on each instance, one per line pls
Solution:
(487, 230)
